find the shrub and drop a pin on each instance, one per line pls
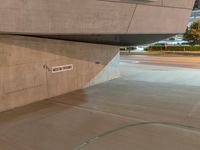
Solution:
(173, 48)
(192, 33)
(128, 48)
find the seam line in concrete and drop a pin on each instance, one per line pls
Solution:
(170, 124)
(102, 112)
(132, 18)
(162, 5)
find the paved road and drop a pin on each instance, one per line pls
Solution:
(145, 109)
(160, 69)
(173, 61)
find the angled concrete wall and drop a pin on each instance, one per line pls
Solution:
(24, 78)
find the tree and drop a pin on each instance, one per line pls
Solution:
(196, 5)
(192, 34)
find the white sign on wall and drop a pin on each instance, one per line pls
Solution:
(63, 68)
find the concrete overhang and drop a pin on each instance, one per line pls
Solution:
(114, 22)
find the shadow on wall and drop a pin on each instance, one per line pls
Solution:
(24, 79)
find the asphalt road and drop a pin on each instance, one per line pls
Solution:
(161, 69)
(151, 107)
(173, 61)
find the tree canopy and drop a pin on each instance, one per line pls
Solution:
(192, 34)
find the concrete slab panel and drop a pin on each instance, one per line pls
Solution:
(153, 137)
(60, 137)
(2, 55)
(8, 145)
(12, 4)
(25, 96)
(92, 15)
(53, 17)
(147, 20)
(1, 80)
(179, 3)
(22, 77)
(109, 18)
(11, 19)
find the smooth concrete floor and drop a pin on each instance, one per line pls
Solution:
(138, 111)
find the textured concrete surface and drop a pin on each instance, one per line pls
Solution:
(25, 62)
(94, 16)
(119, 22)
(108, 114)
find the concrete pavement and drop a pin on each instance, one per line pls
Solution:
(109, 116)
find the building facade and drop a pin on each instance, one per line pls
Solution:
(51, 47)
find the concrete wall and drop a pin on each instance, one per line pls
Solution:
(24, 79)
(94, 16)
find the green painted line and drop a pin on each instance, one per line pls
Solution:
(177, 125)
